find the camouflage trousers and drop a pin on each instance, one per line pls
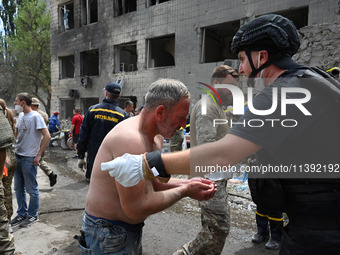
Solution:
(176, 141)
(215, 219)
(8, 180)
(44, 166)
(6, 239)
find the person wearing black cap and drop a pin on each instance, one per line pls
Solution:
(303, 96)
(98, 121)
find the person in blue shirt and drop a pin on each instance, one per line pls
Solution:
(53, 123)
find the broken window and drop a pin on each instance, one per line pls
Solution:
(161, 51)
(124, 6)
(89, 63)
(216, 41)
(299, 16)
(66, 67)
(89, 12)
(66, 17)
(126, 58)
(155, 2)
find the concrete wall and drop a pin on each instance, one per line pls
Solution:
(184, 18)
(320, 45)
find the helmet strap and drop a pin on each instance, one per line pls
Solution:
(255, 71)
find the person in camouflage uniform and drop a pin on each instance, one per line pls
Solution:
(11, 163)
(7, 181)
(176, 141)
(6, 139)
(43, 164)
(215, 213)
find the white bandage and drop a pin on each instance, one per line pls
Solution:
(127, 169)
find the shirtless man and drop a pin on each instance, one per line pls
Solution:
(114, 214)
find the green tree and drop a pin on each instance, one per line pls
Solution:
(29, 48)
(7, 12)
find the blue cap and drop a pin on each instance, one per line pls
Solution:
(113, 87)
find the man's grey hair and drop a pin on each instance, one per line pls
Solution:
(165, 92)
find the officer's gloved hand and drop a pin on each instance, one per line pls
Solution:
(81, 163)
(129, 169)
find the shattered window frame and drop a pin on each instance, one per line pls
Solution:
(161, 51)
(66, 19)
(130, 57)
(89, 12)
(67, 67)
(121, 7)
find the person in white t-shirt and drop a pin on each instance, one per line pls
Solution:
(32, 139)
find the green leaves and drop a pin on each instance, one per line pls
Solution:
(29, 48)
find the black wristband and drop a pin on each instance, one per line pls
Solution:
(154, 159)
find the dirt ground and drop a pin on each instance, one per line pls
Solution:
(61, 210)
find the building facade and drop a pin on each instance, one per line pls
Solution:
(135, 42)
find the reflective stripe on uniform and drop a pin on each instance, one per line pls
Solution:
(269, 218)
(106, 110)
(104, 117)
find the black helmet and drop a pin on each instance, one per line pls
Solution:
(268, 32)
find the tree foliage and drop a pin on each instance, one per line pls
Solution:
(30, 49)
(7, 12)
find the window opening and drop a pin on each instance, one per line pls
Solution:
(126, 58)
(66, 17)
(161, 51)
(89, 12)
(124, 6)
(155, 2)
(89, 63)
(67, 67)
(216, 41)
(299, 16)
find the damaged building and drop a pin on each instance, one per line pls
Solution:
(136, 42)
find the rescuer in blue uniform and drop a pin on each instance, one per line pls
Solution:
(99, 120)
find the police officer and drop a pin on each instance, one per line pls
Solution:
(99, 120)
